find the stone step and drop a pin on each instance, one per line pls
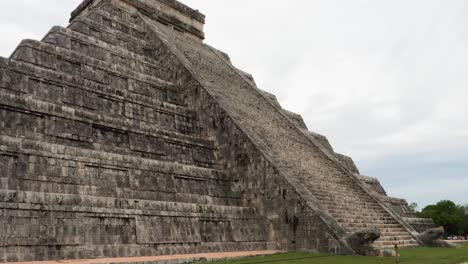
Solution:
(364, 220)
(117, 55)
(107, 158)
(377, 216)
(112, 36)
(45, 84)
(346, 200)
(391, 238)
(383, 230)
(328, 192)
(360, 217)
(396, 233)
(386, 228)
(384, 243)
(349, 194)
(130, 25)
(373, 205)
(339, 183)
(119, 206)
(360, 213)
(383, 227)
(355, 207)
(57, 124)
(102, 51)
(184, 193)
(385, 237)
(96, 77)
(356, 204)
(99, 72)
(82, 66)
(45, 167)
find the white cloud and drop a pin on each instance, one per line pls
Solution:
(21, 19)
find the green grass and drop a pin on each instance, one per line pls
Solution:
(410, 256)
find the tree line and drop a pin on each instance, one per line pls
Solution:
(453, 217)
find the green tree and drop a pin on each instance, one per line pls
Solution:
(465, 222)
(447, 214)
(414, 206)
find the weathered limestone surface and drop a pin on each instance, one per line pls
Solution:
(125, 135)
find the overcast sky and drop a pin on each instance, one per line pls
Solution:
(385, 80)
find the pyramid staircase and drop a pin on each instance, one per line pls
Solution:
(337, 190)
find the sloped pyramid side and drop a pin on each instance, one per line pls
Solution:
(295, 219)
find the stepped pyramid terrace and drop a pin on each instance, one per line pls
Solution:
(125, 135)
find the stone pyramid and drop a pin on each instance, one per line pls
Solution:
(125, 135)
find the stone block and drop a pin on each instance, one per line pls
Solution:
(144, 143)
(94, 74)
